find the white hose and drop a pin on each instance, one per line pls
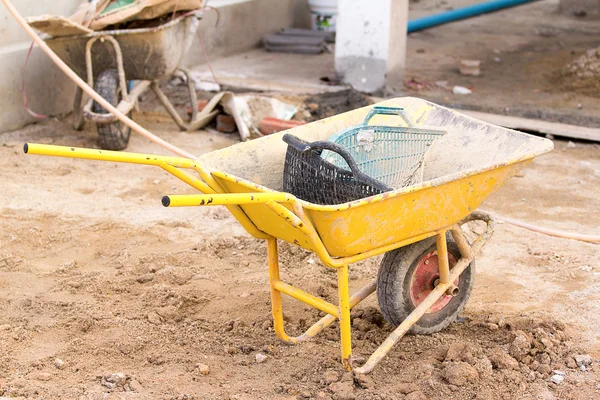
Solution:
(546, 231)
(87, 89)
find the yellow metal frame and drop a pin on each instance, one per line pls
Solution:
(294, 217)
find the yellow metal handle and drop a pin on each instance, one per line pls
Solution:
(107, 155)
(193, 200)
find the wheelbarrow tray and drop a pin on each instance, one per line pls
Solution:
(148, 53)
(461, 170)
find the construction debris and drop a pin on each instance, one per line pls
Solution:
(470, 67)
(304, 41)
(461, 90)
(271, 125)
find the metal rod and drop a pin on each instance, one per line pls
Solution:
(168, 106)
(324, 322)
(107, 155)
(344, 316)
(305, 297)
(191, 200)
(461, 242)
(442, 254)
(192, 90)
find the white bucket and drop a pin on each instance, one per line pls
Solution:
(323, 14)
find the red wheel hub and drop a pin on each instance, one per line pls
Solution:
(424, 278)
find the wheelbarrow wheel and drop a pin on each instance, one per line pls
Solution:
(114, 135)
(407, 275)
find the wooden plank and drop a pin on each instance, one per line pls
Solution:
(57, 26)
(534, 125)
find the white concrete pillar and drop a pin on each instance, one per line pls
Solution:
(370, 49)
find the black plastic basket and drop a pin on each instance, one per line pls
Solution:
(309, 177)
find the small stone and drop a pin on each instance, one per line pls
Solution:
(331, 376)
(260, 358)
(244, 295)
(543, 358)
(582, 368)
(416, 395)
(203, 368)
(557, 379)
(154, 318)
(231, 350)
(492, 326)
(406, 388)
(322, 396)
(364, 381)
(118, 379)
(305, 394)
(41, 376)
(571, 363)
(501, 360)
(145, 278)
(362, 325)
(342, 390)
(547, 343)
(470, 67)
(571, 145)
(583, 359)
(559, 372)
(520, 346)
(484, 367)
(544, 369)
(460, 373)
(135, 386)
(58, 363)
(456, 352)
(109, 385)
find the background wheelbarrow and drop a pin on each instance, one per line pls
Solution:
(427, 273)
(111, 59)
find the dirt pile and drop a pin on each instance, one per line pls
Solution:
(152, 323)
(583, 74)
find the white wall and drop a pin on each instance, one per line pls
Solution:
(48, 90)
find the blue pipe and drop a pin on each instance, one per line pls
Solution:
(462, 13)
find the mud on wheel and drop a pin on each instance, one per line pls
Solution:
(114, 135)
(407, 275)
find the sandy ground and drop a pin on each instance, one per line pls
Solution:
(106, 294)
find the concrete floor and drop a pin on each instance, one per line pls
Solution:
(260, 70)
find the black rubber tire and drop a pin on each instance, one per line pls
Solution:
(393, 285)
(113, 136)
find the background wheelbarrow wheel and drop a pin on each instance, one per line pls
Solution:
(407, 275)
(115, 135)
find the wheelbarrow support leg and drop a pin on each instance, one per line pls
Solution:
(341, 312)
(273, 260)
(344, 316)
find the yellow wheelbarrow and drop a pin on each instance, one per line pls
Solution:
(427, 273)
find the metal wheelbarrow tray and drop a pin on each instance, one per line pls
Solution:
(109, 59)
(427, 273)
(149, 53)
